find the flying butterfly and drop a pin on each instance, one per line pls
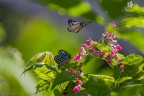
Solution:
(76, 26)
(62, 58)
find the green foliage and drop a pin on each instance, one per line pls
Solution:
(62, 77)
(133, 36)
(132, 70)
(74, 8)
(136, 9)
(95, 85)
(39, 35)
(117, 7)
(133, 59)
(63, 81)
(133, 22)
(128, 71)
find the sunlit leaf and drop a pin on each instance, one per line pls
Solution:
(133, 22)
(133, 59)
(42, 86)
(136, 9)
(44, 57)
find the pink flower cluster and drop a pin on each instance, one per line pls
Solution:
(79, 55)
(77, 87)
(122, 67)
(114, 47)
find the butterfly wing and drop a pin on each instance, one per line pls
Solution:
(83, 24)
(62, 58)
(58, 59)
(75, 26)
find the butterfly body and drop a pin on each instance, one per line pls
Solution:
(75, 26)
(62, 58)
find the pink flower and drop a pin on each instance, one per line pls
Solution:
(101, 54)
(108, 57)
(122, 67)
(119, 60)
(76, 89)
(84, 45)
(96, 52)
(89, 42)
(118, 47)
(77, 57)
(107, 34)
(79, 73)
(71, 70)
(114, 42)
(113, 51)
(91, 50)
(83, 52)
(79, 86)
(79, 82)
(116, 57)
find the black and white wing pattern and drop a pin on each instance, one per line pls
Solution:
(62, 58)
(76, 26)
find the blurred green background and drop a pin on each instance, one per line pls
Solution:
(28, 27)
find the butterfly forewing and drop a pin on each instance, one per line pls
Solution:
(62, 58)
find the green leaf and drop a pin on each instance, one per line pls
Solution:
(82, 93)
(136, 9)
(135, 37)
(44, 57)
(87, 59)
(133, 22)
(133, 59)
(42, 86)
(51, 67)
(62, 77)
(138, 75)
(103, 47)
(116, 72)
(34, 66)
(114, 8)
(97, 87)
(129, 71)
(57, 92)
(62, 3)
(69, 65)
(44, 73)
(69, 88)
(130, 90)
(94, 17)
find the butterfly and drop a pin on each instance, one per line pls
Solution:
(62, 58)
(76, 26)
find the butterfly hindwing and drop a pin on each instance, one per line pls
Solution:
(62, 58)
